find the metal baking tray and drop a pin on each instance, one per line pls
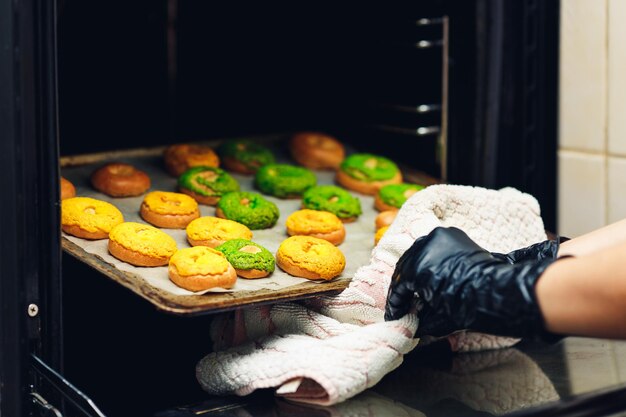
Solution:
(152, 283)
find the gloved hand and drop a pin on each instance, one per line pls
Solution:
(538, 251)
(459, 285)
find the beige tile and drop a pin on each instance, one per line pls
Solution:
(617, 77)
(583, 75)
(582, 193)
(617, 189)
(590, 364)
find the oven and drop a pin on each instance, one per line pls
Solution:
(455, 91)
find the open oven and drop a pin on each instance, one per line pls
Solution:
(453, 90)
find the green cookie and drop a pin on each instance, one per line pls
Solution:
(284, 181)
(250, 209)
(263, 260)
(332, 198)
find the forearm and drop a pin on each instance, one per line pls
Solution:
(606, 237)
(586, 295)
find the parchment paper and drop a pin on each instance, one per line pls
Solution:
(356, 247)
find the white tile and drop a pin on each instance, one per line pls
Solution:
(582, 193)
(617, 189)
(590, 364)
(617, 77)
(583, 75)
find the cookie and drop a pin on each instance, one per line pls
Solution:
(249, 209)
(120, 180)
(333, 199)
(141, 244)
(244, 156)
(89, 218)
(367, 173)
(393, 196)
(201, 268)
(320, 224)
(169, 210)
(284, 181)
(179, 158)
(213, 231)
(310, 257)
(249, 259)
(206, 184)
(67, 189)
(316, 150)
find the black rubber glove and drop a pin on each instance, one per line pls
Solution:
(538, 251)
(460, 285)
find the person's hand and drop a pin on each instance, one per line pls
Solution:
(538, 251)
(459, 285)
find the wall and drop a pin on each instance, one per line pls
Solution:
(592, 115)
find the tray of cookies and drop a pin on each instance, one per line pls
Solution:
(205, 227)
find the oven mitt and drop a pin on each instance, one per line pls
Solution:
(462, 286)
(328, 349)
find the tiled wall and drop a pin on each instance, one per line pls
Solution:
(592, 115)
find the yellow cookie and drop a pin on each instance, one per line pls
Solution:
(141, 244)
(169, 210)
(200, 268)
(379, 234)
(89, 218)
(310, 257)
(320, 224)
(213, 231)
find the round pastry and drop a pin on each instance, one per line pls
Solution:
(200, 268)
(310, 257)
(393, 196)
(120, 180)
(250, 209)
(367, 173)
(141, 244)
(244, 156)
(206, 184)
(169, 210)
(213, 231)
(333, 199)
(385, 218)
(179, 158)
(67, 189)
(379, 234)
(89, 218)
(316, 150)
(284, 181)
(249, 259)
(320, 224)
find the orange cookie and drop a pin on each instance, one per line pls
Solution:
(310, 257)
(120, 180)
(213, 231)
(179, 158)
(141, 244)
(67, 189)
(169, 210)
(385, 218)
(316, 150)
(320, 224)
(89, 218)
(200, 268)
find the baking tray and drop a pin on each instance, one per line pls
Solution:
(357, 246)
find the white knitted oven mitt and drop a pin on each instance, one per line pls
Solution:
(334, 347)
